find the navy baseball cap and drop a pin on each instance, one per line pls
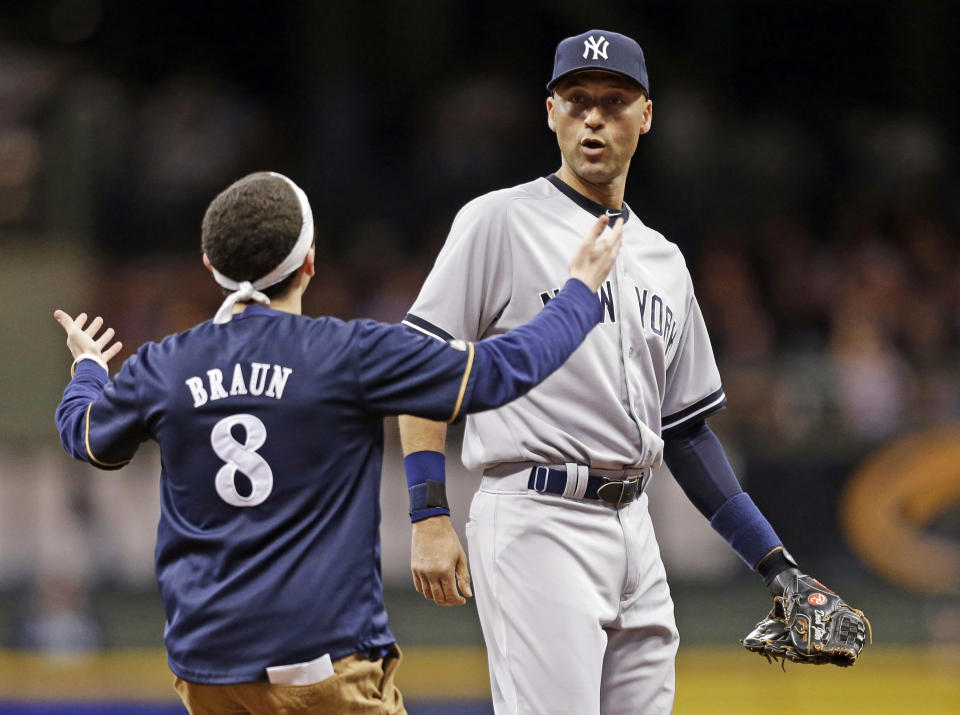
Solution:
(600, 50)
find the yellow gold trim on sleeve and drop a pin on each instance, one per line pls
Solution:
(90, 452)
(767, 555)
(463, 383)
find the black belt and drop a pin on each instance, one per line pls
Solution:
(610, 491)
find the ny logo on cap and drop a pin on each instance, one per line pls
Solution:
(599, 47)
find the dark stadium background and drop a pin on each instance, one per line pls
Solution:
(803, 155)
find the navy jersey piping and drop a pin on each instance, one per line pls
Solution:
(589, 205)
(714, 402)
(420, 325)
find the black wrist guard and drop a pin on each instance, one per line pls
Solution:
(776, 568)
(428, 499)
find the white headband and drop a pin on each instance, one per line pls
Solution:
(245, 290)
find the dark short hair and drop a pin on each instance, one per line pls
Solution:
(250, 227)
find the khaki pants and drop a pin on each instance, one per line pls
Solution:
(357, 687)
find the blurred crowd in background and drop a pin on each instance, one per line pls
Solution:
(825, 253)
(804, 158)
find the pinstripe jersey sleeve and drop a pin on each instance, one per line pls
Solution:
(693, 389)
(98, 418)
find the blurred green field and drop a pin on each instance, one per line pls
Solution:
(444, 670)
(444, 659)
(715, 680)
(887, 680)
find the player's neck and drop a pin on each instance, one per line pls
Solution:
(289, 302)
(609, 195)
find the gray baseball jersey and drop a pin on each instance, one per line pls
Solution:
(648, 369)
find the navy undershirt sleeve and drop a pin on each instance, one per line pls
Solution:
(701, 468)
(699, 464)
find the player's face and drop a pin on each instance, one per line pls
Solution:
(598, 118)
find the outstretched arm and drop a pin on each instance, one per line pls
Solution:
(509, 365)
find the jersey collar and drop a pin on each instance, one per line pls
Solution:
(254, 309)
(589, 205)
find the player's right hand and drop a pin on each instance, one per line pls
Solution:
(80, 341)
(438, 562)
(596, 255)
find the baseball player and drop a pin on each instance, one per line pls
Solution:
(270, 433)
(571, 590)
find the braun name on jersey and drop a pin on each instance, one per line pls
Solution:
(246, 379)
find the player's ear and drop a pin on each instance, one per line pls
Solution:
(647, 115)
(206, 262)
(551, 104)
(309, 263)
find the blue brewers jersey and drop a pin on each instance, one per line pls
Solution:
(271, 441)
(282, 413)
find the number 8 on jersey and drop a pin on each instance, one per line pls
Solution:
(241, 458)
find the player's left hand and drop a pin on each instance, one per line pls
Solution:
(82, 341)
(810, 624)
(438, 562)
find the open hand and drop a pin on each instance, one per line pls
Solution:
(596, 255)
(81, 341)
(438, 562)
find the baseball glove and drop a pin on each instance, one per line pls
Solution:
(811, 624)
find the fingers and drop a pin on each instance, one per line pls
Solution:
(82, 338)
(67, 322)
(105, 338)
(111, 352)
(435, 561)
(428, 591)
(598, 226)
(598, 243)
(609, 244)
(441, 587)
(448, 591)
(63, 318)
(617, 227)
(463, 576)
(596, 230)
(94, 326)
(614, 235)
(422, 585)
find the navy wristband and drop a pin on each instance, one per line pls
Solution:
(742, 525)
(426, 482)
